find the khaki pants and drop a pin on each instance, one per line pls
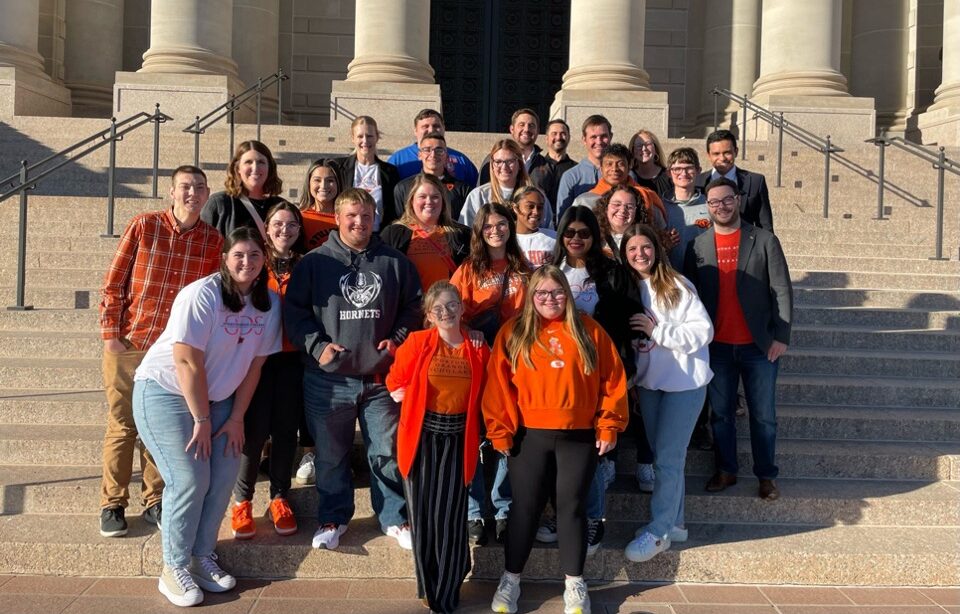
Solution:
(121, 436)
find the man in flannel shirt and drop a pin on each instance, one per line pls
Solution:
(159, 253)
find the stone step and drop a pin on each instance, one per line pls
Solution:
(53, 407)
(41, 344)
(76, 490)
(879, 318)
(74, 445)
(864, 423)
(864, 337)
(52, 373)
(909, 265)
(879, 281)
(867, 363)
(738, 553)
(891, 391)
(53, 297)
(852, 297)
(50, 320)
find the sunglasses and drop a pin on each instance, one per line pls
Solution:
(581, 233)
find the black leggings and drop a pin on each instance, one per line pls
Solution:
(570, 458)
(274, 412)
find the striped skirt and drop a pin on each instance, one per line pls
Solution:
(437, 509)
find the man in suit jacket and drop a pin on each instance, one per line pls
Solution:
(752, 187)
(741, 275)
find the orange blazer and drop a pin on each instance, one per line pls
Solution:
(409, 370)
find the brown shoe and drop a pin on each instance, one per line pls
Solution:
(721, 480)
(768, 490)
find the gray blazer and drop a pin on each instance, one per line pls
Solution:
(763, 282)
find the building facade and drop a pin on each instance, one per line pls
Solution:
(850, 68)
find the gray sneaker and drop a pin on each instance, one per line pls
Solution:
(112, 522)
(178, 587)
(152, 515)
(507, 595)
(207, 573)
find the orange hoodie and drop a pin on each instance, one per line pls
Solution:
(555, 393)
(482, 293)
(409, 370)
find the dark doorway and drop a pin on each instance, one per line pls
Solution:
(493, 57)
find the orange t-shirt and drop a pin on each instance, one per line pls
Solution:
(730, 327)
(448, 380)
(316, 227)
(279, 285)
(480, 294)
(430, 254)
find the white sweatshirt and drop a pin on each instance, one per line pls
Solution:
(677, 355)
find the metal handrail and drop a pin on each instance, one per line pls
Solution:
(776, 120)
(229, 108)
(23, 181)
(939, 161)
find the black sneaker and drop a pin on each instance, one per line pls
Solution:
(112, 522)
(501, 529)
(152, 515)
(476, 532)
(594, 535)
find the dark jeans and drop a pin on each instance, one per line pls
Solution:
(274, 412)
(730, 363)
(333, 404)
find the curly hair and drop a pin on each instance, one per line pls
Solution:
(641, 216)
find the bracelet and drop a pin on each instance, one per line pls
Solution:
(201, 420)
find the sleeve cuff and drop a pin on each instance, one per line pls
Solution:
(502, 444)
(607, 435)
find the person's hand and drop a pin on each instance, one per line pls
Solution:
(387, 345)
(640, 321)
(398, 394)
(232, 429)
(671, 238)
(200, 438)
(476, 338)
(776, 350)
(329, 353)
(605, 446)
(114, 346)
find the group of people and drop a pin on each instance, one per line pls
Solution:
(514, 326)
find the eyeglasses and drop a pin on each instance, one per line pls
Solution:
(284, 225)
(683, 170)
(439, 151)
(543, 296)
(580, 233)
(502, 163)
(646, 145)
(726, 201)
(614, 204)
(501, 226)
(452, 308)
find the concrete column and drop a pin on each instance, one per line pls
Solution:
(941, 123)
(392, 42)
(731, 56)
(25, 89)
(606, 69)
(94, 53)
(390, 77)
(878, 64)
(800, 49)
(191, 37)
(606, 45)
(256, 44)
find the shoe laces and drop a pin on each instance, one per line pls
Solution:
(184, 580)
(209, 565)
(280, 508)
(328, 527)
(307, 459)
(578, 590)
(243, 511)
(645, 472)
(506, 586)
(593, 527)
(115, 513)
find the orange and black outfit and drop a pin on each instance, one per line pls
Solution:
(549, 417)
(437, 443)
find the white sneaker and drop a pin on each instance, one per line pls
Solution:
(305, 472)
(609, 471)
(576, 599)
(401, 533)
(508, 592)
(328, 536)
(646, 547)
(645, 477)
(177, 585)
(207, 573)
(676, 534)
(547, 531)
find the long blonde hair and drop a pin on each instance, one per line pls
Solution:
(526, 328)
(496, 193)
(665, 282)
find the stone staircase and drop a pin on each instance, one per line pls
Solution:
(868, 394)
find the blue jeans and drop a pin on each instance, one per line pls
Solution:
(730, 363)
(332, 405)
(596, 508)
(500, 494)
(669, 418)
(197, 491)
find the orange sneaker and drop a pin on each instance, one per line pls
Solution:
(284, 522)
(242, 520)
